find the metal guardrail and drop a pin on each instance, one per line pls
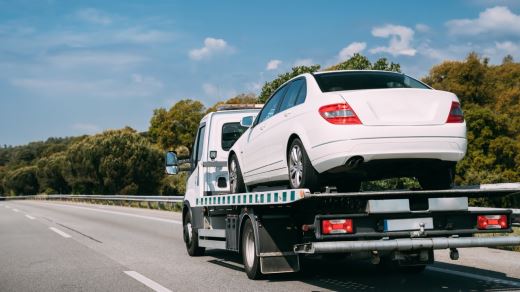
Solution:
(151, 199)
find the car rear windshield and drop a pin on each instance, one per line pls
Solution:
(339, 81)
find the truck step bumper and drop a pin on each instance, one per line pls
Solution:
(404, 244)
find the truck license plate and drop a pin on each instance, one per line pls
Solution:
(408, 224)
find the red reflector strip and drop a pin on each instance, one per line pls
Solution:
(337, 226)
(492, 222)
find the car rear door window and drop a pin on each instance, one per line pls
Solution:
(302, 94)
(292, 94)
(270, 107)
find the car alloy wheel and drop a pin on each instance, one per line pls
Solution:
(296, 165)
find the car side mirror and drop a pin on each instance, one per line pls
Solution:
(247, 121)
(172, 163)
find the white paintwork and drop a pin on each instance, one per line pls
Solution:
(396, 124)
(147, 282)
(63, 234)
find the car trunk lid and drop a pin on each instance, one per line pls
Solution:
(400, 106)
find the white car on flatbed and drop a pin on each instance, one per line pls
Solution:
(276, 229)
(343, 127)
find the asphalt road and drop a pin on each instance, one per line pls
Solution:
(51, 246)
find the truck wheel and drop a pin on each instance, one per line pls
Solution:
(439, 179)
(191, 238)
(236, 181)
(249, 257)
(302, 174)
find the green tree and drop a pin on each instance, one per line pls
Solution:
(50, 173)
(270, 87)
(176, 126)
(22, 181)
(114, 162)
(360, 62)
(470, 79)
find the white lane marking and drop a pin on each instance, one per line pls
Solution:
(120, 213)
(16, 210)
(475, 276)
(30, 217)
(149, 283)
(60, 232)
(7, 207)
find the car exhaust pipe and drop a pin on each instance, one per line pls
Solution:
(354, 161)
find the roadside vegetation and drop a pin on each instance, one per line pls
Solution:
(124, 161)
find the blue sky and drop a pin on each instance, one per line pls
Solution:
(79, 67)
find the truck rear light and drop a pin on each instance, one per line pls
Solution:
(337, 226)
(339, 114)
(456, 115)
(492, 222)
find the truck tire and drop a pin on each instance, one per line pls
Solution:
(236, 181)
(438, 179)
(302, 174)
(249, 257)
(191, 237)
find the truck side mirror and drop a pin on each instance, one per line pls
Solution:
(247, 121)
(172, 164)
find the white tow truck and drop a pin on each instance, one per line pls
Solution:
(274, 228)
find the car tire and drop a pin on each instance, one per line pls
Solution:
(236, 181)
(437, 179)
(348, 186)
(191, 237)
(302, 174)
(249, 257)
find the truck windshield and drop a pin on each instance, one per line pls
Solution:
(230, 134)
(339, 81)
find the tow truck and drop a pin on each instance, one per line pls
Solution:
(274, 228)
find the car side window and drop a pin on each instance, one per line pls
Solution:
(292, 94)
(302, 94)
(270, 107)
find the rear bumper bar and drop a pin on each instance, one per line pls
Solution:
(404, 244)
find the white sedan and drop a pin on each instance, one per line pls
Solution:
(339, 128)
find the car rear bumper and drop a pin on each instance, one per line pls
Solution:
(334, 154)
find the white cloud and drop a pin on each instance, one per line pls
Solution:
(210, 89)
(421, 27)
(211, 47)
(400, 40)
(501, 49)
(94, 16)
(303, 62)
(498, 20)
(86, 128)
(351, 49)
(273, 64)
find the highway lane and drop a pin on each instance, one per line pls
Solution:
(125, 249)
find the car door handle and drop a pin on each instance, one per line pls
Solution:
(287, 114)
(262, 128)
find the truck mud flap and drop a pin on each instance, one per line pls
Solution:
(277, 236)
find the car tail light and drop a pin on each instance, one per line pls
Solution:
(492, 222)
(339, 114)
(337, 226)
(456, 115)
